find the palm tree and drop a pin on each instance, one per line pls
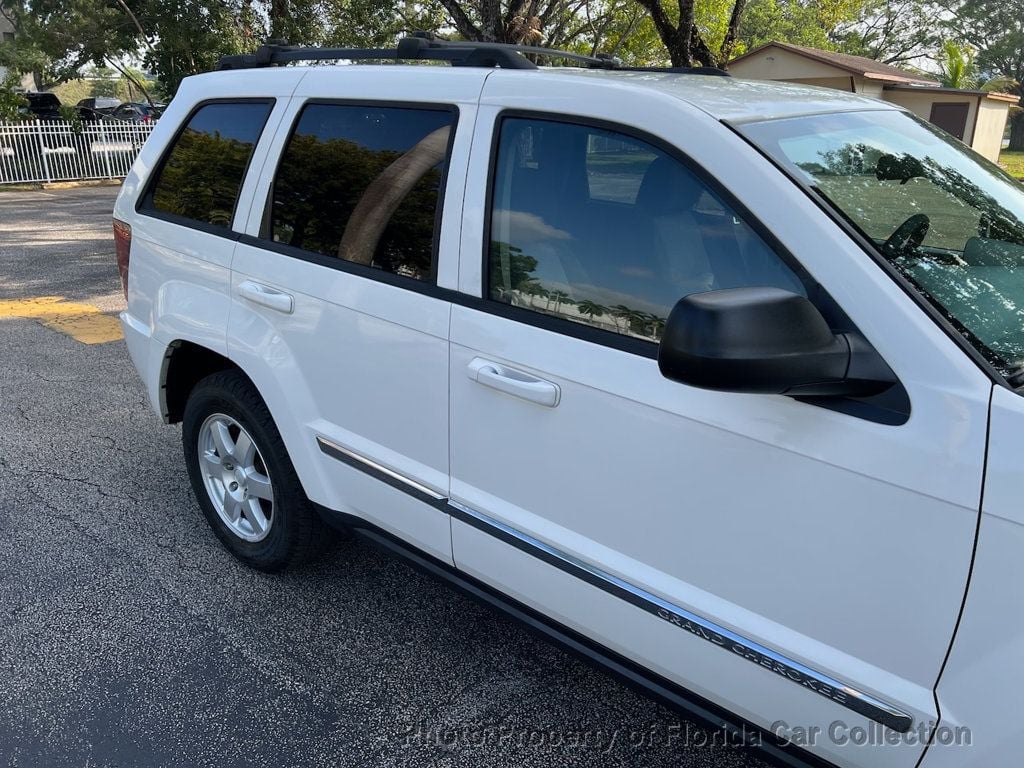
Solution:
(559, 297)
(621, 312)
(656, 325)
(638, 322)
(956, 65)
(531, 288)
(591, 309)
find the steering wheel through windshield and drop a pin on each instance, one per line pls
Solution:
(908, 236)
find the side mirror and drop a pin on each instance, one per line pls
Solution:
(768, 341)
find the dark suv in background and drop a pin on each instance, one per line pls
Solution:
(43, 106)
(97, 108)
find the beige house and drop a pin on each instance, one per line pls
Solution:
(7, 36)
(977, 118)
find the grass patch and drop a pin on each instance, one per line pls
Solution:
(1013, 162)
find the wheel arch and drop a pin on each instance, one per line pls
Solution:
(184, 365)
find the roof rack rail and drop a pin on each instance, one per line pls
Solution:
(427, 46)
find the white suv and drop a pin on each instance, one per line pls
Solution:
(711, 380)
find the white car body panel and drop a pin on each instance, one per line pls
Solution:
(823, 479)
(840, 543)
(358, 361)
(981, 685)
(179, 287)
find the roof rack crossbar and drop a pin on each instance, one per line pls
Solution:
(426, 46)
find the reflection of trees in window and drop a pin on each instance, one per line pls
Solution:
(997, 222)
(201, 177)
(848, 160)
(513, 282)
(321, 185)
(591, 309)
(385, 194)
(512, 272)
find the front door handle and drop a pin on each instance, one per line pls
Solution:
(513, 382)
(266, 296)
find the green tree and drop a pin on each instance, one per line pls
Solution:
(532, 287)
(996, 30)
(177, 38)
(655, 325)
(512, 268)
(591, 309)
(813, 24)
(622, 312)
(11, 103)
(956, 65)
(890, 31)
(67, 34)
(559, 298)
(684, 39)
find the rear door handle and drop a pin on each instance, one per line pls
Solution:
(513, 382)
(266, 296)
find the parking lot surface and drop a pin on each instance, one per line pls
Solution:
(128, 636)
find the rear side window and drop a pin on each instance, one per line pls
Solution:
(202, 172)
(363, 184)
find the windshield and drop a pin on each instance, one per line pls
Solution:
(951, 222)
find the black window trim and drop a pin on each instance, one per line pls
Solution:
(641, 347)
(264, 239)
(144, 203)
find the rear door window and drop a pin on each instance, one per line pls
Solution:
(362, 184)
(202, 173)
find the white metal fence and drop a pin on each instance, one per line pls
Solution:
(57, 150)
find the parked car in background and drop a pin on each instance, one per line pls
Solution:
(42, 106)
(56, 138)
(136, 112)
(97, 108)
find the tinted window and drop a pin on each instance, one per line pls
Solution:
(950, 222)
(363, 184)
(601, 228)
(203, 171)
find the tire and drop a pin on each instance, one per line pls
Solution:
(248, 489)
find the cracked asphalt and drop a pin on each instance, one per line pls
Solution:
(129, 637)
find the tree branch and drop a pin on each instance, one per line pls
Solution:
(135, 21)
(490, 21)
(729, 42)
(671, 36)
(463, 24)
(131, 78)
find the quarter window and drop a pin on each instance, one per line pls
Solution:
(202, 174)
(600, 228)
(363, 184)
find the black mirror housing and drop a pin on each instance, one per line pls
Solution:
(767, 341)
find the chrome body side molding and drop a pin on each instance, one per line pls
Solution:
(816, 682)
(382, 473)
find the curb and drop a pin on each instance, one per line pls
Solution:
(77, 184)
(56, 185)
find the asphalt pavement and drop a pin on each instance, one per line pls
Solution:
(129, 637)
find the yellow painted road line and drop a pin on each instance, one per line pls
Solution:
(82, 322)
